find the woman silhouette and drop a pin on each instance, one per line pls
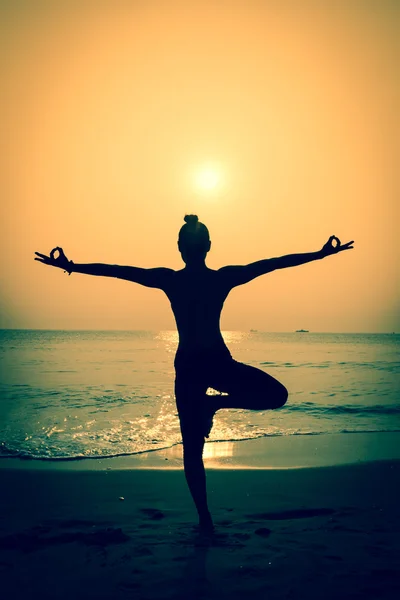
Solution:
(202, 360)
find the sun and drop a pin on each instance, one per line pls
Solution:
(207, 178)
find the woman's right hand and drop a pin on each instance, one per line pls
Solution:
(329, 248)
(61, 261)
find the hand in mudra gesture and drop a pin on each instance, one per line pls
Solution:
(61, 261)
(330, 248)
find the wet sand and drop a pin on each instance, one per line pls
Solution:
(112, 532)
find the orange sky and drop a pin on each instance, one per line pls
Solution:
(109, 111)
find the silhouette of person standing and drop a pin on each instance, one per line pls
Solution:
(197, 295)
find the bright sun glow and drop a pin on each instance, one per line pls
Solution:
(207, 178)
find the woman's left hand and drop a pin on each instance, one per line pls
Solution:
(329, 248)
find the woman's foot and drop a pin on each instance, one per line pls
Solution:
(206, 524)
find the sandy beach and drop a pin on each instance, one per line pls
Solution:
(104, 531)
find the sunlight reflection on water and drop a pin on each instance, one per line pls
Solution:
(102, 393)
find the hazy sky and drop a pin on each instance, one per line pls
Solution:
(111, 111)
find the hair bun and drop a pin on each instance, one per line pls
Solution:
(191, 219)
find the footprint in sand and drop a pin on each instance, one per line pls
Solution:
(301, 513)
(32, 540)
(263, 532)
(153, 513)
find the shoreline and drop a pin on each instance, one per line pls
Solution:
(267, 453)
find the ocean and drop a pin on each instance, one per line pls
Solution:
(96, 394)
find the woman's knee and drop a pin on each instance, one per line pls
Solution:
(193, 451)
(279, 397)
(192, 438)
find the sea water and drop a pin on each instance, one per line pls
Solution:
(75, 394)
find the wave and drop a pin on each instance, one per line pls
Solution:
(349, 409)
(6, 453)
(380, 365)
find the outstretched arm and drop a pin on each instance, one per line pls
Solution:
(238, 275)
(156, 278)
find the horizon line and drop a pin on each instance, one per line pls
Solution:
(222, 330)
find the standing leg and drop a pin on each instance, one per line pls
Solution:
(189, 401)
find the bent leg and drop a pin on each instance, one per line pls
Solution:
(247, 387)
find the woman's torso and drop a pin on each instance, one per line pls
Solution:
(197, 298)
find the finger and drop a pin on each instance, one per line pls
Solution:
(46, 262)
(347, 244)
(52, 253)
(41, 255)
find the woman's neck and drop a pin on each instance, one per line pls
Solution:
(196, 266)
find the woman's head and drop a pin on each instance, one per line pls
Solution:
(194, 239)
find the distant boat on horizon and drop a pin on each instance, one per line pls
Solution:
(302, 331)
